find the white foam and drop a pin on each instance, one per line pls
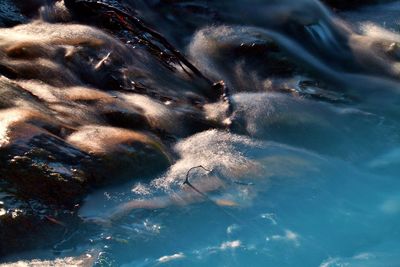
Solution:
(289, 236)
(165, 259)
(231, 244)
(215, 150)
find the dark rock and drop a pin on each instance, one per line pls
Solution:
(44, 177)
(31, 7)
(179, 18)
(28, 224)
(65, 126)
(42, 166)
(351, 4)
(46, 170)
(239, 55)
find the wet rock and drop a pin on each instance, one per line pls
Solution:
(43, 166)
(136, 33)
(174, 117)
(76, 108)
(179, 18)
(121, 153)
(29, 224)
(38, 163)
(240, 55)
(351, 4)
(31, 7)
(11, 95)
(81, 56)
(44, 177)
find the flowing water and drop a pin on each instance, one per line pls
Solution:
(306, 175)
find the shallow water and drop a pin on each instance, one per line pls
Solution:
(306, 176)
(303, 210)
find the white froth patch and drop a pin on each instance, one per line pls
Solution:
(46, 33)
(215, 150)
(41, 90)
(375, 31)
(263, 110)
(85, 260)
(363, 256)
(329, 262)
(289, 236)
(362, 259)
(217, 112)
(141, 189)
(157, 113)
(231, 244)
(177, 256)
(58, 11)
(4, 134)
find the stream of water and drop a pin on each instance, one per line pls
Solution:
(307, 175)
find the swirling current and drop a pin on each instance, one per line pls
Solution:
(199, 133)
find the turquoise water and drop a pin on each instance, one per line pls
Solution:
(293, 207)
(297, 181)
(303, 209)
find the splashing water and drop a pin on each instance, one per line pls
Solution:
(303, 161)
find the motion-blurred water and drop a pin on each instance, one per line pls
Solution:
(308, 174)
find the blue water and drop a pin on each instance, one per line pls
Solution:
(324, 212)
(300, 182)
(300, 209)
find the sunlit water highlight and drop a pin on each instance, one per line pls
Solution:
(302, 182)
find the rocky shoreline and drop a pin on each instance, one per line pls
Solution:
(73, 120)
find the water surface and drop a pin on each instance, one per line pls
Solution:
(307, 175)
